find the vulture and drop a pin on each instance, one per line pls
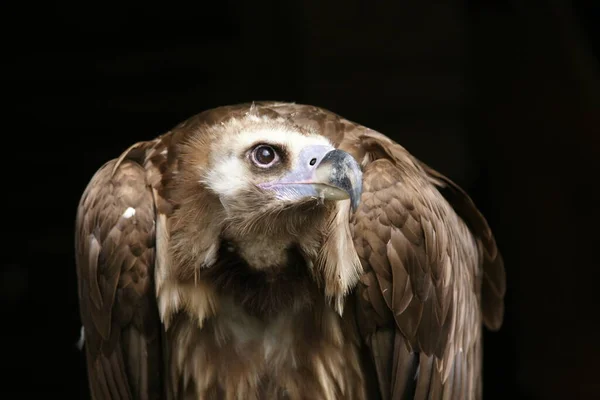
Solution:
(275, 250)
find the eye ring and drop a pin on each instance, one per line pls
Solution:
(264, 156)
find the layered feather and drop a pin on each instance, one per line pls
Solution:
(115, 255)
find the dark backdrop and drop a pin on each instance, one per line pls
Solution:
(501, 96)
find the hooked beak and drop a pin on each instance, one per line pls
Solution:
(321, 172)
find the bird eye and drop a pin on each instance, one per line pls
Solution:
(264, 156)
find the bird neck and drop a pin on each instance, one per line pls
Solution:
(282, 282)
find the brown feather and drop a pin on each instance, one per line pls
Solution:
(403, 370)
(383, 359)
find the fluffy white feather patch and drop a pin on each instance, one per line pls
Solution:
(130, 212)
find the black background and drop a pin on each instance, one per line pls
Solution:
(502, 96)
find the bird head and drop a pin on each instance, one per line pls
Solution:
(260, 169)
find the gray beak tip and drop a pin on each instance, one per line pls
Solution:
(344, 173)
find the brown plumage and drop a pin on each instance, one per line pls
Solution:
(204, 275)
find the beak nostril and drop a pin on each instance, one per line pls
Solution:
(313, 161)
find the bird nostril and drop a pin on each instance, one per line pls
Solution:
(313, 161)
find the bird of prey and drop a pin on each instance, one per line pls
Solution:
(275, 250)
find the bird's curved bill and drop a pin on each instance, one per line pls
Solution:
(321, 172)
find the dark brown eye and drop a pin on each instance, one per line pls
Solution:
(264, 156)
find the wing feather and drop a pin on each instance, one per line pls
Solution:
(115, 253)
(494, 275)
(431, 262)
